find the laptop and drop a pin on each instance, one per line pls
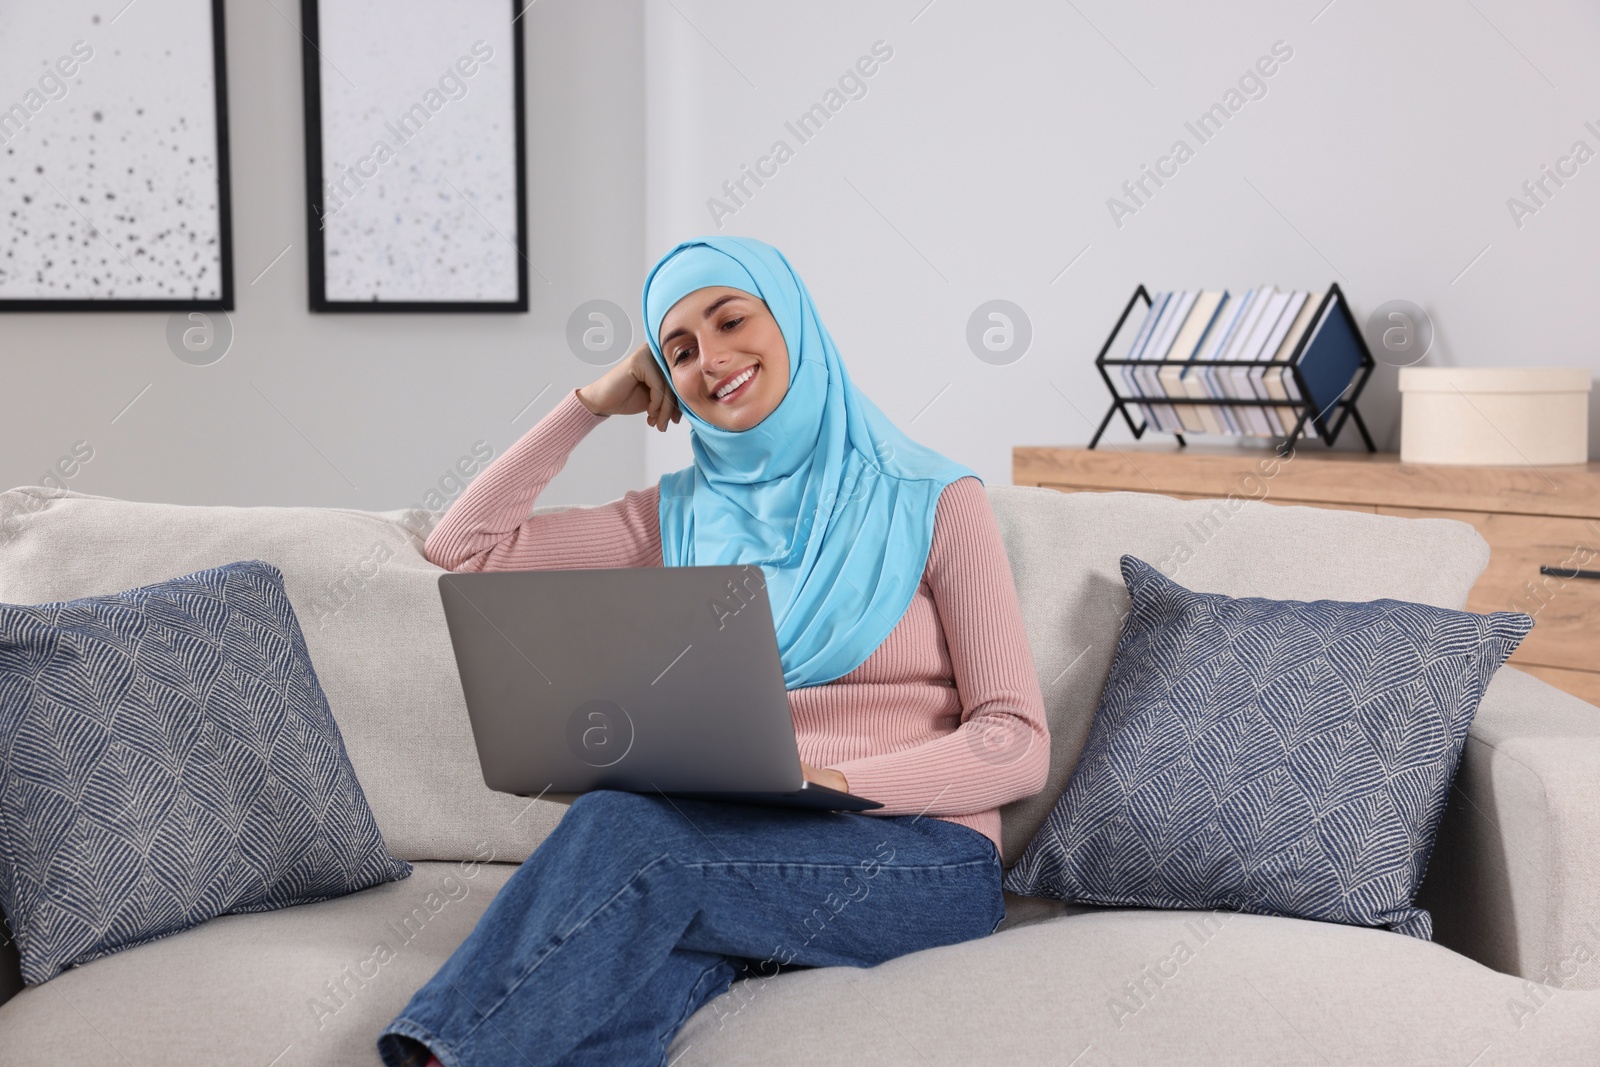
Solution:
(645, 679)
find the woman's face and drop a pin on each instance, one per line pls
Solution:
(710, 339)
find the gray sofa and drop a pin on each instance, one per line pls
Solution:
(1512, 977)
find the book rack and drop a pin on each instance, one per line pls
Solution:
(1324, 375)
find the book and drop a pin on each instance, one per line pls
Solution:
(1329, 360)
(1255, 418)
(1269, 350)
(1241, 334)
(1195, 417)
(1158, 304)
(1277, 380)
(1215, 342)
(1166, 330)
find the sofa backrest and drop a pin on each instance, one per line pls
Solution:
(368, 603)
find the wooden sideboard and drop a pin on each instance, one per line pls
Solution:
(1529, 516)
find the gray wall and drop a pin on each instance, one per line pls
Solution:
(979, 163)
(977, 166)
(365, 411)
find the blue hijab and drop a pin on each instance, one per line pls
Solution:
(825, 494)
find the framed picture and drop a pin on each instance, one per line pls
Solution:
(415, 156)
(114, 157)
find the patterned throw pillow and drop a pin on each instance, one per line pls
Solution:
(1278, 757)
(167, 755)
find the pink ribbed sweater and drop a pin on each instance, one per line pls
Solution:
(945, 718)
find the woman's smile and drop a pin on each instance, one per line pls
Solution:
(744, 378)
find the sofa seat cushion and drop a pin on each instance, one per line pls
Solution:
(1131, 986)
(309, 985)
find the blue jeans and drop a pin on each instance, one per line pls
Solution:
(638, 909)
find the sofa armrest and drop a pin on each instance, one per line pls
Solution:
(1514, 881)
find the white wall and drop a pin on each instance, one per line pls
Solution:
(979, 164)
(365, 411)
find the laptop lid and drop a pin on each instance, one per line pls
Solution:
(640, 678)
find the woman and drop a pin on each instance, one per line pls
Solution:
(909, 676)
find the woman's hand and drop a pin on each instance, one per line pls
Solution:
(634, 385)
(825, 776)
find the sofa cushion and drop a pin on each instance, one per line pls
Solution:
(1278, 756)
(368, 602)
(313, 985)
(309, 985)
(169, 756)
(370, 605)
(1065, 548)
(1118, 986)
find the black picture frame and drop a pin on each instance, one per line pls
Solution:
(224, 302)
(316, 272)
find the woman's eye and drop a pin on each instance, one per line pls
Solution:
(681, 356)
(732, 322)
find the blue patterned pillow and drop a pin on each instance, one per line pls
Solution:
(1272, 756)
(167, 755)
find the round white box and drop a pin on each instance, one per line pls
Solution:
(1497, 416)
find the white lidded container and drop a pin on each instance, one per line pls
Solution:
(1497, 416)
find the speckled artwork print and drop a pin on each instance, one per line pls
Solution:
(108, 143)
(418, 151)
